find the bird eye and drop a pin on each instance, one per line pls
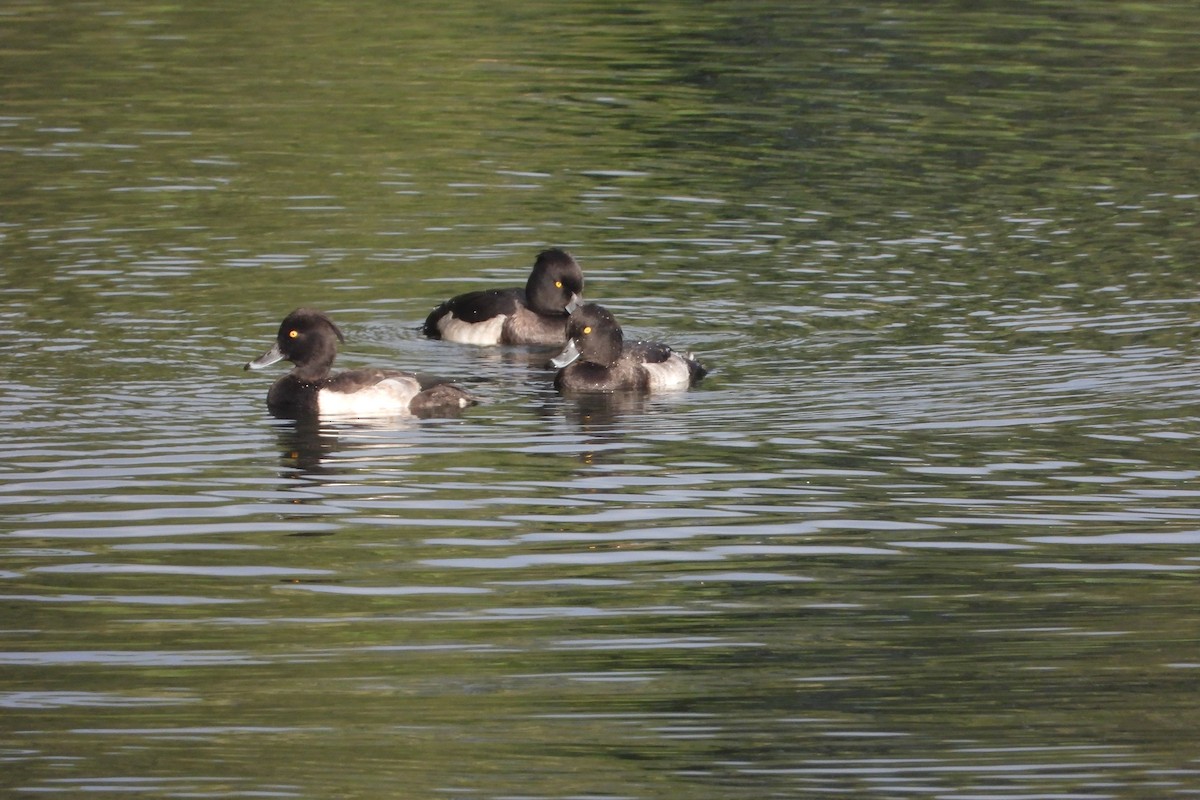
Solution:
(558, 284)
(588, 329)
(292, 334)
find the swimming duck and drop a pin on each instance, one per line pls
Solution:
(597, 359)
(535, 315)
(308, 338)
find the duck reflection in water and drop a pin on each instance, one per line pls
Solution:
(304, 447)
(318, 450)
(603, 414)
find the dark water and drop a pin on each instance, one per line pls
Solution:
(931, 527)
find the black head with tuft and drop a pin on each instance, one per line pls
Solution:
(309, 339)
(556, 283)
(596, 334)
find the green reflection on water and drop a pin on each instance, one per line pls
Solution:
(938, 214)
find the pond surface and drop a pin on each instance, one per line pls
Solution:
(930, 528)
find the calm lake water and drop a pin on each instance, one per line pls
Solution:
(929, 529)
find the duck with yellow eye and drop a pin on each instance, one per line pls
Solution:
(597, 359)
(534, 315)
(309, 339)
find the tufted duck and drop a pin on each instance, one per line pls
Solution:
(536, 314)
(597, 359)
(308, 338)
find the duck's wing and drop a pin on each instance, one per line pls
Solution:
(356, 380)
(647, 352)
(475, 307)
(666, 368)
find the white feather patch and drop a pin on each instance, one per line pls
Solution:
(485, 333)
(670, 374)
(389, 396)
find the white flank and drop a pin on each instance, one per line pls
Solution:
(388, 397)
(486, 332)
(670, 374)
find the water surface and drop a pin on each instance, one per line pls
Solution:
(928, 529)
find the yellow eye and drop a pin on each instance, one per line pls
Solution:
(587, 330)
(558, 284)
(292, 334)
